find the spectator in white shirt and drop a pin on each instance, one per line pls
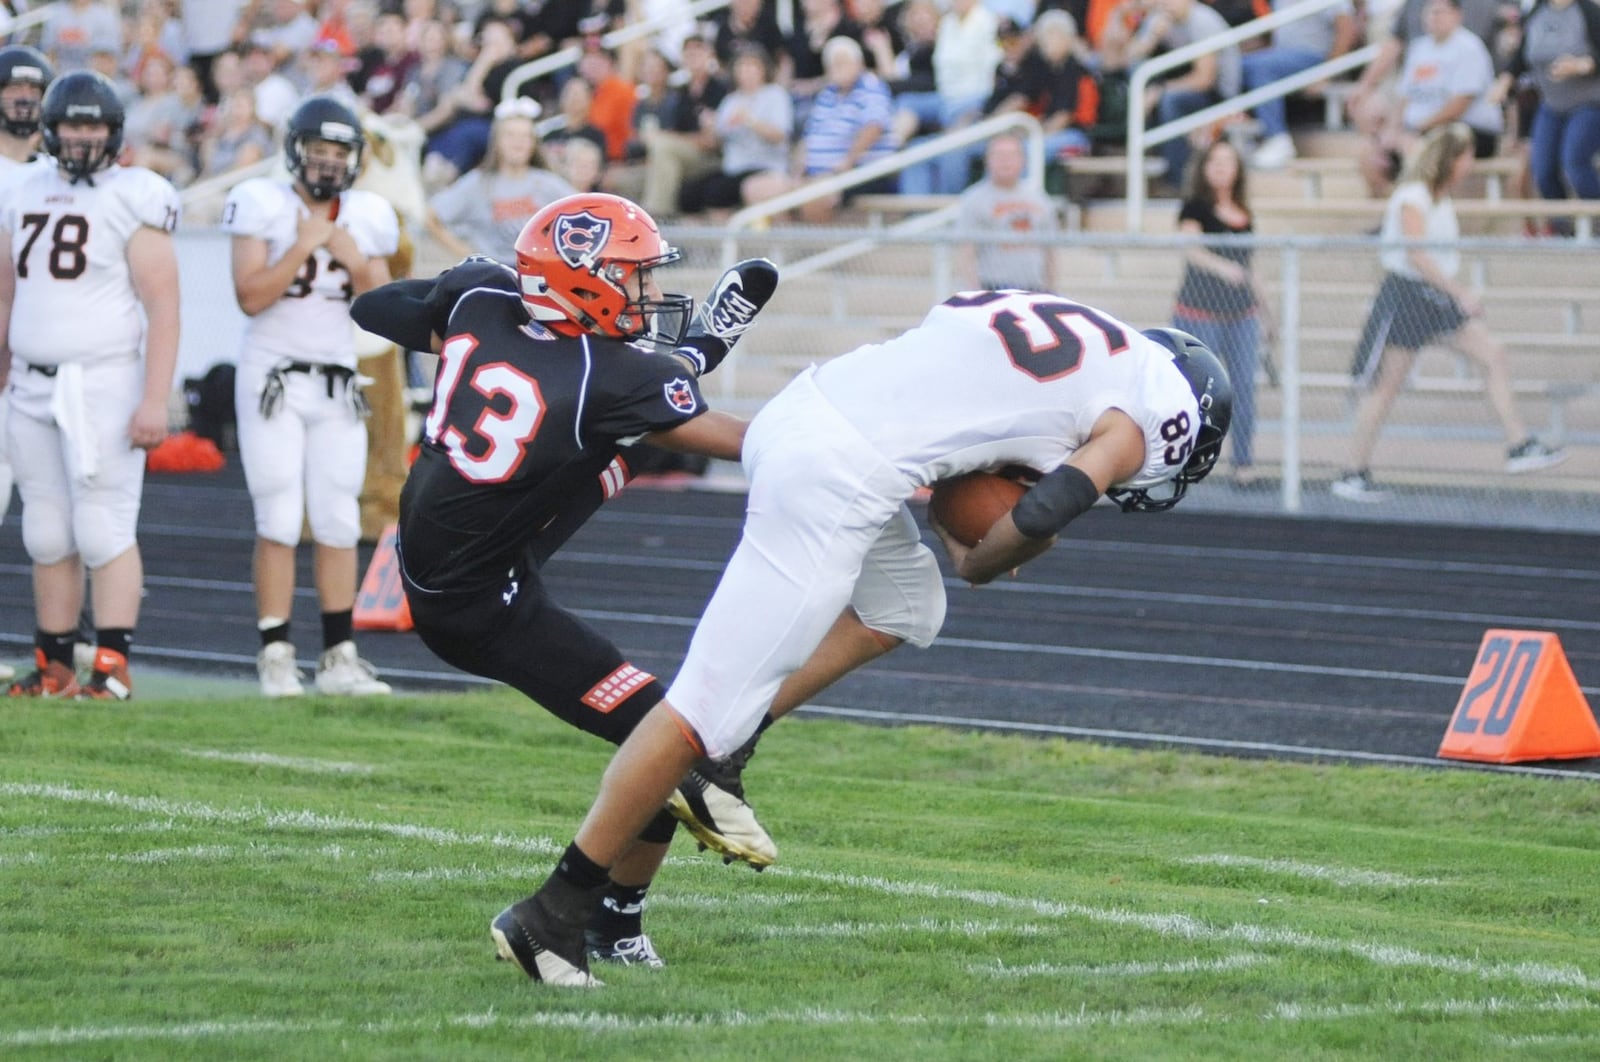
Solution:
(1448, 77)
(76, 29)
(965, 55)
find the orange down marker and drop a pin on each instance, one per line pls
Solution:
(381, 603)
(1521, 702)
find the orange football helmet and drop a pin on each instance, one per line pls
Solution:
(585, 263)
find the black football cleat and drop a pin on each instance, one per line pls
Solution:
(526, 934)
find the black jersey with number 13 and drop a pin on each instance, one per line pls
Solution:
(520, 445)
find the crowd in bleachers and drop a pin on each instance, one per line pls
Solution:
(701, 118)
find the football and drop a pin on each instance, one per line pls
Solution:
(969, 505)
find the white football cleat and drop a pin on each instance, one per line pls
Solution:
(342, 673)
(276, 668)
(722, 822)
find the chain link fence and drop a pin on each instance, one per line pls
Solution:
(1442, 450)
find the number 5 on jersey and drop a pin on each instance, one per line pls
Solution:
(508, 416)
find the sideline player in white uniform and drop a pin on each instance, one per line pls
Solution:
(831, 571)
(301, 252)
(24, 75)
(88, 277)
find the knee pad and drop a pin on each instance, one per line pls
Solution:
(906, 601)
(276, 493)
(279, 515)
(47, 531)
(335, 522)
(103, 533)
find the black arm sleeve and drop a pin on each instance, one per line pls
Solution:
(705, 352)
(1059, 498)
(412, 312)
(399, 312)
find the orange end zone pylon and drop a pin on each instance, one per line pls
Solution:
(1521, 702)
(381, 603)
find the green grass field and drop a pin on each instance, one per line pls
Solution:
(232, 878)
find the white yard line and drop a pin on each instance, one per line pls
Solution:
(1181, 926)
(1190, 928)
(1335, 875)
(213, 852)
(240, 853)
(1549, 1040)
(706, 901)
(157, 826)
(270, 819)
(1123, 969)
(458, 874)
(947, 926)
(292, 763)
(597, 1023)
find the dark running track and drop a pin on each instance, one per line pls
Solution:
(1242, 635)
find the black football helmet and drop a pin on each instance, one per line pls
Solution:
(323, 118)
(1213, 391)
(82, 96)
(22, 65)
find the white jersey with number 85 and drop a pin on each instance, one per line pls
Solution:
(1010, 377)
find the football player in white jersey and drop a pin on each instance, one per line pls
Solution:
(301, 251)
(88, 282)
(24, 75)
(831, 571)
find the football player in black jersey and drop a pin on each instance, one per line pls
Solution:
(544, 371)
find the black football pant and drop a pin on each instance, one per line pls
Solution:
(519, 636)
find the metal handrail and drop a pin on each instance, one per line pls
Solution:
(1033, 177)
(1139, 140)
(569, 56)
(10, 24)
(223, 181)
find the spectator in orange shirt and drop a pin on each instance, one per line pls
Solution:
(611, 111)
(335, 25)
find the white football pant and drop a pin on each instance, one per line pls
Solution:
(307, 461)
(826, 526)
(80, 478)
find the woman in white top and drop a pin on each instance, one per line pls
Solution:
(1420, 302)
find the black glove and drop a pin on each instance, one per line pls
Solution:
(731, 308)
